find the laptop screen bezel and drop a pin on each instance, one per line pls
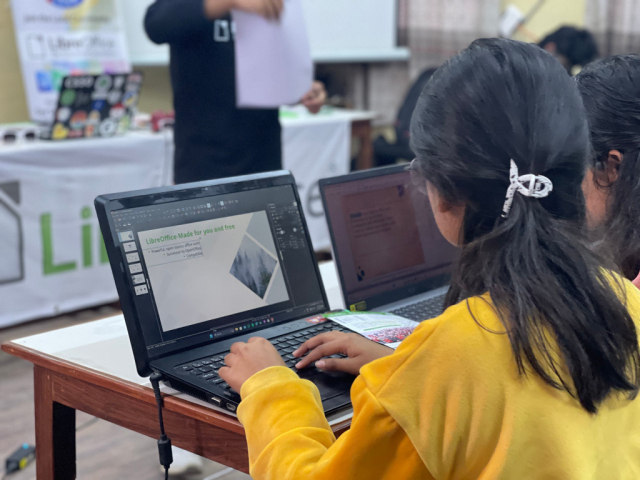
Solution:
(106, 204)
(388, 297)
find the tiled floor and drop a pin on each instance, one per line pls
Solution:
(105, 451)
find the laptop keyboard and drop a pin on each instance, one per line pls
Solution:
(424, 310)
(207, 368)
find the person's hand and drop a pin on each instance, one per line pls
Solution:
(359, 350)
(270, 9)
(246, 359)
(315, 98)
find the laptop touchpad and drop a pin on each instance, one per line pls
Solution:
(330, 384)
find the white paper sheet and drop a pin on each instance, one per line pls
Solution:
(273, 58)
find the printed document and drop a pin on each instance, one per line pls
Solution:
(273, 58)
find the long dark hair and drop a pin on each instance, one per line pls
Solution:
(563, 312)
(577, 45)
(610, 91)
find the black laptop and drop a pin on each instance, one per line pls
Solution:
(201, 266)
(387, 248)
(95, 105)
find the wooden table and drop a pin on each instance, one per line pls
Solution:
(90, 368)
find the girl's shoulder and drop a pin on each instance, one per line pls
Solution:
(467, 336)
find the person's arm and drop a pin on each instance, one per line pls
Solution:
(315, 98)
(168, 21)
(289, 437)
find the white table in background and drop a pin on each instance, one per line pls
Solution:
(320, 146)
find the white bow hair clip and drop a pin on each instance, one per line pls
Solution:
(529, 185)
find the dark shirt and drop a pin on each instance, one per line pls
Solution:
(213, 138)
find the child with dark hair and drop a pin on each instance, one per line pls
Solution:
(532, 371)
(571, 46)
(610, 91)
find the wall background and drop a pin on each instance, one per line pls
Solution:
(156, 92)
(552, 15)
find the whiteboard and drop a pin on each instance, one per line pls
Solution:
(339, 31)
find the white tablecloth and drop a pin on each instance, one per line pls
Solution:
(51, 256)
(315, 147)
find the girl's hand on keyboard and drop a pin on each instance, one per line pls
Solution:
(358, 349)
(246, 359)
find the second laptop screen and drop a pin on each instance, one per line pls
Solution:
(385, 235)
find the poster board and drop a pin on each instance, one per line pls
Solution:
(57, 38)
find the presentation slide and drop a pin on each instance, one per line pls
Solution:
(383, 231)
(207, 270)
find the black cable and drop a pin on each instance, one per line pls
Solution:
(164, 443)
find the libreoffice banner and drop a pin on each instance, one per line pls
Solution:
(52, 256)
(56, 38)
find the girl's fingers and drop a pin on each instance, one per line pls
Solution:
(323, 350)
(230, 359)
(348, 365)
(315, 342)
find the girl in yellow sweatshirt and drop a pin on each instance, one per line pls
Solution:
(533, 370)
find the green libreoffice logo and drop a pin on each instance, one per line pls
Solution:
(93, 250)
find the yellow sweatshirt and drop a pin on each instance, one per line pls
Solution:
(448, 404)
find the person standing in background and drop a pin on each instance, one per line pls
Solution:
(572, 47)
(213, 138)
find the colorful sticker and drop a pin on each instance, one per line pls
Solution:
(75, 133)
(108, 128)
(67, 98)
(130, 99)
(82, 98)
(117, 112)
(98, 105)
(63, 114)
(316, 319)
(78, 120)
(119, 82)
(94, 117)
(114, 97)
(90, 130)
(59, 132)
(76, 82)
(99, 95)
(123, 125)
(358, 307)
(134, 78)
(103, 83)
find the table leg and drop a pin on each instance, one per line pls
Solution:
(361, 129)
(55, 431)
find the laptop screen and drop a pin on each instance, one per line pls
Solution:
(385, 239)
(210, 267)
